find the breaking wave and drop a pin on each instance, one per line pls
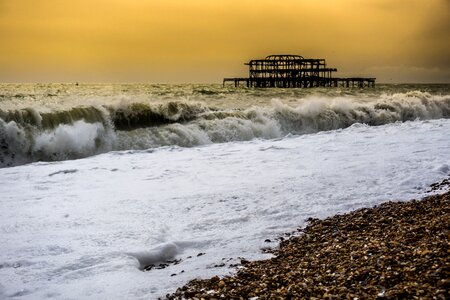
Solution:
(28, 135)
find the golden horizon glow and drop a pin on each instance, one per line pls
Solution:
(206, 40)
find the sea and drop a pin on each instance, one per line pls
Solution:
(128, 191)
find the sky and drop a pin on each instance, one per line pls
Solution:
(203, 41)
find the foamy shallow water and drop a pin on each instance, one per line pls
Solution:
(81, 229)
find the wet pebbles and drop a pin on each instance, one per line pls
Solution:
(391, 251)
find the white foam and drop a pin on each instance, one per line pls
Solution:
(444, 169)
(160, 254)
(85, 234)
(197, 124)
(79, 139)
(66, 141)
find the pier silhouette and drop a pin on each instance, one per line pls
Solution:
(294, 71)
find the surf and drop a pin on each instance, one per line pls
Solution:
(33, 133)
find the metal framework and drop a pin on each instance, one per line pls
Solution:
(294, 71)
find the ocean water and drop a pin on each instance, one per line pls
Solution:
(98, 182)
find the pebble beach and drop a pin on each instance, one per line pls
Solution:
(396, 250)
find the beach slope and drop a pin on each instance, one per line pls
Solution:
(391, 251)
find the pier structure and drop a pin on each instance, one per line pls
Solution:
(294, 71)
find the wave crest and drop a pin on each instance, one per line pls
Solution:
(138, 115)
(27, 135)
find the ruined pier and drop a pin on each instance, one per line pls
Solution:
(294, 71)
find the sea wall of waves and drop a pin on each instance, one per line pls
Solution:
(28, 135)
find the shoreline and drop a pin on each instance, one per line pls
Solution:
(391, 251)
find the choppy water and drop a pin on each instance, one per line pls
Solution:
(195, 169)
(65, 121)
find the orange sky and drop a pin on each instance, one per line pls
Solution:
(206, 40)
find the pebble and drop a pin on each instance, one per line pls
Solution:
(396, 250)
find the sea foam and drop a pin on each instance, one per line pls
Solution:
(27, 135)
